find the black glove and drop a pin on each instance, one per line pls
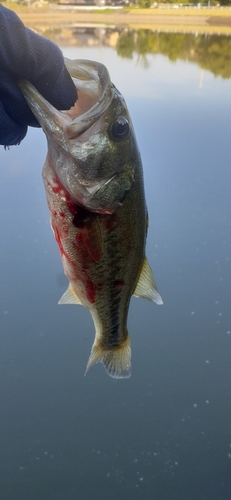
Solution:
(26, 55)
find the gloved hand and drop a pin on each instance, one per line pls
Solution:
(26, 55)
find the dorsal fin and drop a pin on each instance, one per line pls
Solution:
(69, 297)
(146, 287)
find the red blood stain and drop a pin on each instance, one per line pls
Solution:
(80, 247)
(92, 248)
(58, 238)
(90, 287)
(119, 283)
(109, 223)
(62, 214)
(71, 206)
(79, 237)
(57, 189)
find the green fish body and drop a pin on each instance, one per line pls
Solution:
(101, 240)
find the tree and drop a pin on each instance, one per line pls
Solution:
(144, 4)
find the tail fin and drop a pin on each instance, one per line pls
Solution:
(117, 361)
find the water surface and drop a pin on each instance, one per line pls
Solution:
(165, 433)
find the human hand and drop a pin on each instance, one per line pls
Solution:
(26, 55)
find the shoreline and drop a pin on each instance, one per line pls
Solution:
(213, 21)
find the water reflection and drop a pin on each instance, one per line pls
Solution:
(210, 52)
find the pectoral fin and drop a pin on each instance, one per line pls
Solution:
(146, 287)
(69, 297)
(93, 240)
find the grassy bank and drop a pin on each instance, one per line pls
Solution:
(190, 19)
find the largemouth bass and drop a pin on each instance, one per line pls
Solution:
(94, 186)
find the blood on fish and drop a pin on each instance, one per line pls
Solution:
(57, 189)
(109, 223)
(80, 247)
(119, 283)
(92, 248)
(79, 237)
(71, 206)
(60, 244)
(90, 287)
(62, 214)
(58, 239)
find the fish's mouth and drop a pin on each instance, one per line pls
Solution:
(95, 93)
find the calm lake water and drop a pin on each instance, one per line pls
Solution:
(165, 433)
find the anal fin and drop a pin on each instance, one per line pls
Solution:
(146, 287)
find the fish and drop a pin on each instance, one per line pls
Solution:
(93, 180)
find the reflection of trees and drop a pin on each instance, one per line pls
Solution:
(216, 56)
(209, 52)
(125, 45)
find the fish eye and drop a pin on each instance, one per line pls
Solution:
(120, 128)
